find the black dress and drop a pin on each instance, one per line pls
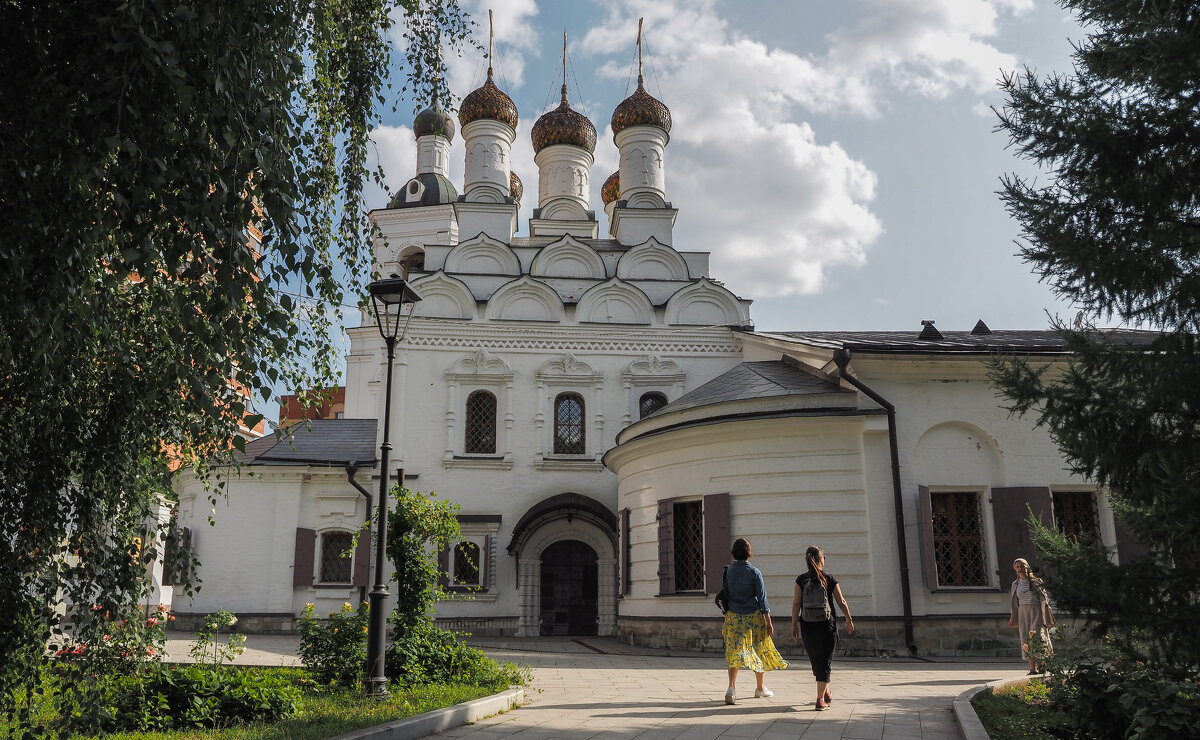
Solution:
(820, 638)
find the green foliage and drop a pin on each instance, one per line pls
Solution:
(208, 649)
(425, 654)
(1115, 228)
(184, 184)
(1107, 695)
(334, 650)
(418, 527)
(177, 697)
(1021, 713)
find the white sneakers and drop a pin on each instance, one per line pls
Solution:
(763, 693)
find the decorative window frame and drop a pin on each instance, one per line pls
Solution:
(479, 370)
(481, 530)
(565, 374)
(649, 373)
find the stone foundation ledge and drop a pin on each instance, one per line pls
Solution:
(247, 623)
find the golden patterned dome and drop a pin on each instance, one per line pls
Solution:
(434, 120)
(488, 101)
(611, 189)
(564, 126)
(641, 109)
(515, 188)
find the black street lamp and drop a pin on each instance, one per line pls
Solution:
(387, 296)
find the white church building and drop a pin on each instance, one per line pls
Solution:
(608, 419)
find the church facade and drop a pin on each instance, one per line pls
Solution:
(607, 418)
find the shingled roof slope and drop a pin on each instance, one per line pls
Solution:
(322, 442)
(907, 342)
(785, 377)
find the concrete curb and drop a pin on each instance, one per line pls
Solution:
(441, 719)
(964, 713)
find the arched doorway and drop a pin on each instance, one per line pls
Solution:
(570, 589)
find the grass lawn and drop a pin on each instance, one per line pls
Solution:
(1021, 712)
(325, 713)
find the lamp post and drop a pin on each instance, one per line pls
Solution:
(387, 296)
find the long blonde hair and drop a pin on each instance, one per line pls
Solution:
(813, 556)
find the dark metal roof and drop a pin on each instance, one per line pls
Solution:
(333, 442)
(785, 377)
(961, 342)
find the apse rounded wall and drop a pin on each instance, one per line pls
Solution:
(791, 481)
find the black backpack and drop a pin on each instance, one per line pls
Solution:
(722, 599)
(814, 601)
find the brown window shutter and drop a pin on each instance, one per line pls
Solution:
(666, 546)
(444, 567)
(925, 531)
(623, 551)
(485, 563)
(362, 559)
(306, 545)
(1010, 512)
(716, 539)
(1128, 546)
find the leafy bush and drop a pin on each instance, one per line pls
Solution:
(334, 651)
(426, 654)
(192, 696)
(1108, 694)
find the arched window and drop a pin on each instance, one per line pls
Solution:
(336, 565)
(568, 424)
(481, 424)
(651, 402)
(466, 564)
(414, 261)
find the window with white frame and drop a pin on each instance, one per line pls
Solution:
(569, 433)
(1076, 515)
(480, 429)
(470, 564)
(337, 563)
(465, 567)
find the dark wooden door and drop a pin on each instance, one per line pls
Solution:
(569, 589)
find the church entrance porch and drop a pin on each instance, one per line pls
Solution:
(569, 589)
(566, 550)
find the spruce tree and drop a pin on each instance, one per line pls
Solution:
(1112, 223)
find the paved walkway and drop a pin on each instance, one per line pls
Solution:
(598, 688)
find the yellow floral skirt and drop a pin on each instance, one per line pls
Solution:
(747, 644)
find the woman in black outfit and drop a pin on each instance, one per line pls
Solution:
(818, 623)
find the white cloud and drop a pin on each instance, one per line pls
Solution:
(777, 204)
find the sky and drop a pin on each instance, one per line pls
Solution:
(838, 159)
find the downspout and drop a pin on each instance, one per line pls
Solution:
(841, 358)
(351, 470)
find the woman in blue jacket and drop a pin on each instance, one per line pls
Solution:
(748, 629)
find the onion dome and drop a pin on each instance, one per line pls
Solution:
(426, 189)
(434, 120)
(515, 188)
(564, 126)
(611, 189)
(488, 101)
(641, 109)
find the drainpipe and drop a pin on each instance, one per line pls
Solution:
(841, 358)
(351, 470)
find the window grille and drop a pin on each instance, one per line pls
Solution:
(568, 424)
(650, 403)
(689, 546)
(336, 567)
(414, 262)
(958, 539)
(1076, 516)
(466, 564)
(480, 436)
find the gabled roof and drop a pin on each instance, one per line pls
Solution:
(962, 342)
(332, 442)
(784, 377)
